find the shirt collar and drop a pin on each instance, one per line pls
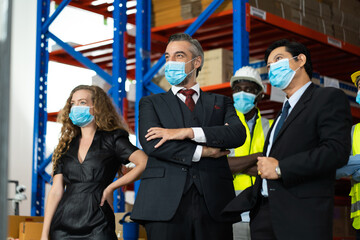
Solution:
(176, 89)
(297, 95)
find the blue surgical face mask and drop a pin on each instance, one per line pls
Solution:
(358, 97)
(280, 74)
(244, 102)
(80, 115)
(175, 72)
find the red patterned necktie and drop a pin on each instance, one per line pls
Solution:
(189, 101)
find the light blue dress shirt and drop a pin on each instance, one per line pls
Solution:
(352, 168)
(292, 101)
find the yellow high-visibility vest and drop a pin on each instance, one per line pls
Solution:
(355, 189)
(252, 145)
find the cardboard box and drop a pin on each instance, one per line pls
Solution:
(191, 10)
(14, 223)
(217, 68)
(119, 227)
(347, 35)
(273, 7)
(168, 12)
(30, 230)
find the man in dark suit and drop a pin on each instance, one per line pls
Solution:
(185, 132)
(293, 195)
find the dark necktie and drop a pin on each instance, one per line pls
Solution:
(282, 119)
(189, 101)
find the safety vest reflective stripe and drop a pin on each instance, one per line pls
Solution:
(251, 145)
(355, 189)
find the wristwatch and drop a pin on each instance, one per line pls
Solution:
(278, 172)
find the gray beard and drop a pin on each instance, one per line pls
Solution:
(186, 80)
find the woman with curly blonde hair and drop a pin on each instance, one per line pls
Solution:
(92, 147)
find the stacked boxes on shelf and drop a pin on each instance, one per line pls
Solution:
(336, 18)
(346, 21)
(167, 12)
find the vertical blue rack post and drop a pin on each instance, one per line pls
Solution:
(240, 35)
(116, 80)
(40, 114)
(119, 75)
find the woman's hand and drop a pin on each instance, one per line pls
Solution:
(108, 196)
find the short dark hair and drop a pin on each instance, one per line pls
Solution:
(196, 49)
(294, 48)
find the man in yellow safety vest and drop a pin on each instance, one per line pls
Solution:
(353, 166)
(247, 90)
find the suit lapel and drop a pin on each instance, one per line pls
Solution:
(299, 107)
(208, 102)
(174, 108)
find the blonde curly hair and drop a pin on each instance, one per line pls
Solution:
(105, 116)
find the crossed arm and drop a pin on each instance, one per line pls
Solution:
(172, 144)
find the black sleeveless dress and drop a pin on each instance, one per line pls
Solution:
(79, 215)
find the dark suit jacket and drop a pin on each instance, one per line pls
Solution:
(163, 181)
(313, 142)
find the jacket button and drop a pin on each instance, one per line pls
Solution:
(183, 169)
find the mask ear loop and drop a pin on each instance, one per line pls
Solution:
(194, 67)
(297, 58)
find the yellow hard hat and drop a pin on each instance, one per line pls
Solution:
(355, 77)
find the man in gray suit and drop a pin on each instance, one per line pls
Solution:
(185, 132)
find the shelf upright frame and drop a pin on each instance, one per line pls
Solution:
(142, 54)
(241, 28)
(119, 58)
(116, 80)
(40, 114)
(119, 75)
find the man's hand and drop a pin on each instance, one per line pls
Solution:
(213, 152)
(266, 167)
(168, 134)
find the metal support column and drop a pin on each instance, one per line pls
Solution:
(119, 59)
(240, 34)
(142, 56)
(40, 114)
(5, 37)
(143, 44)
(117, 90)
(116, 80)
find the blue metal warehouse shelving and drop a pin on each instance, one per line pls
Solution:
(247, 33)
(143, 72)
